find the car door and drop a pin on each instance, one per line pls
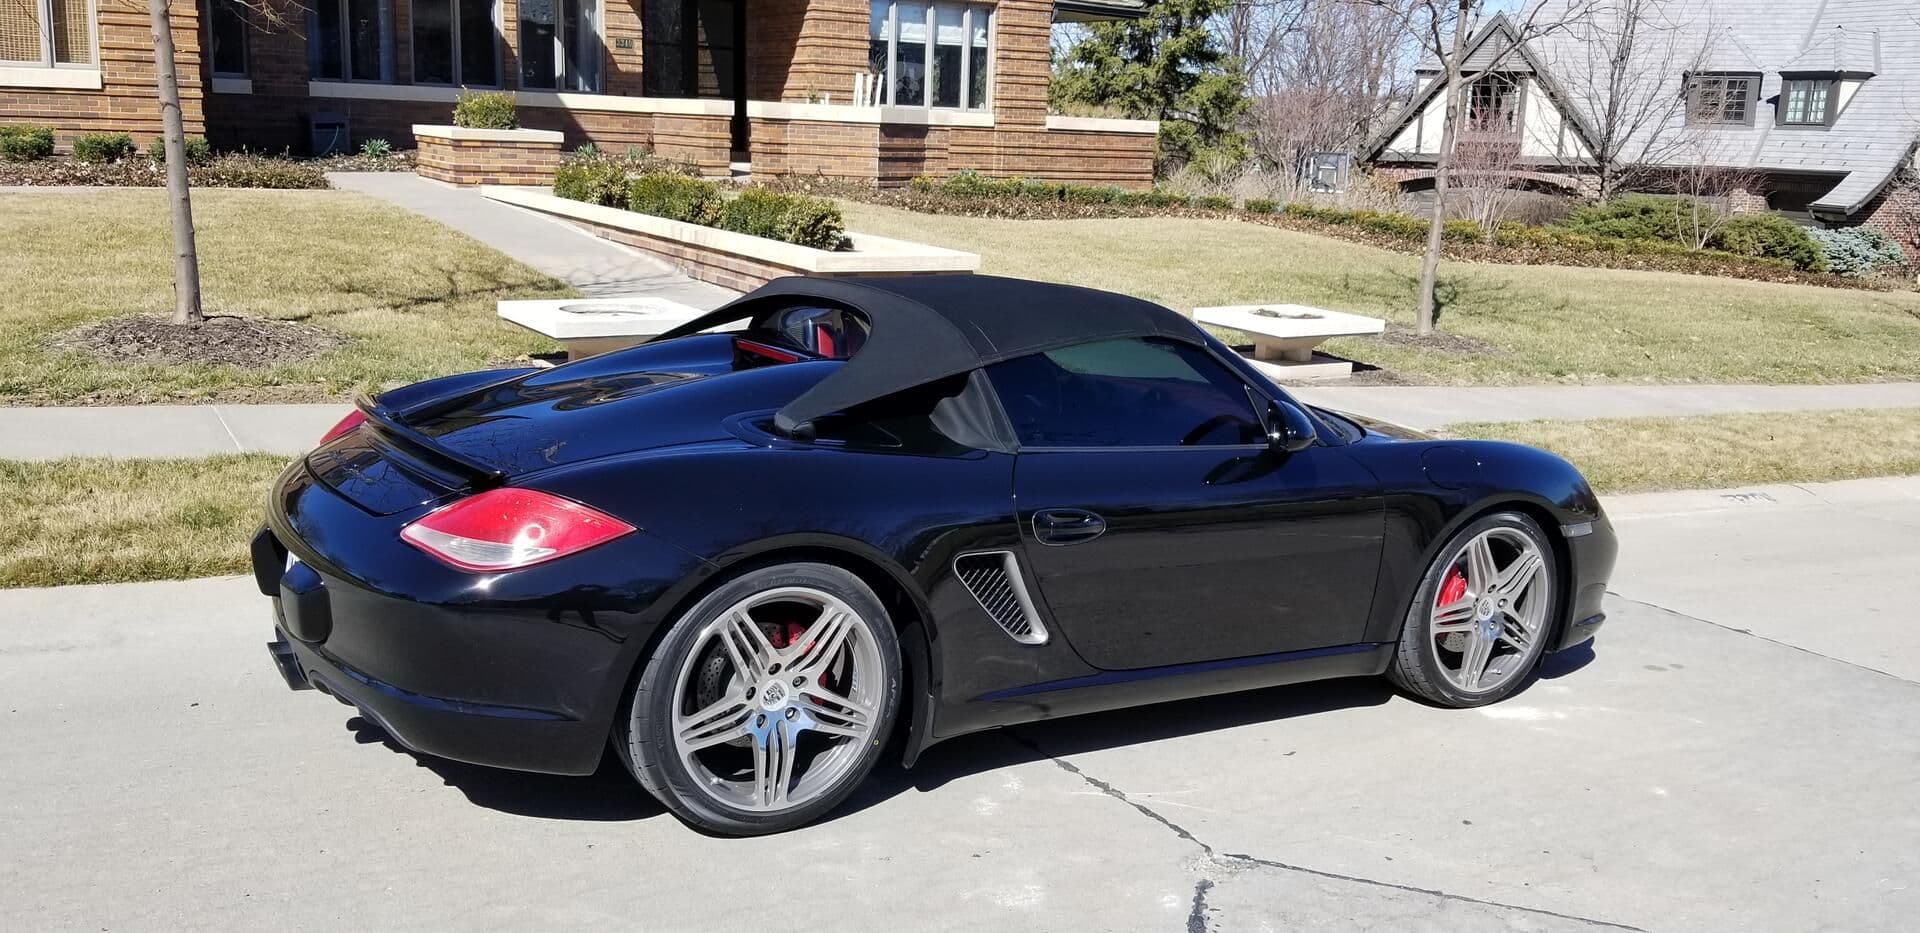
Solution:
(1160, 526)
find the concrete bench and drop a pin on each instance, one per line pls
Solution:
(592, 326)
(1284, 336)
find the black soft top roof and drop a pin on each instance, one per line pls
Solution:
(928, 327)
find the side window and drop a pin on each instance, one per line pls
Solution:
(1125, 393)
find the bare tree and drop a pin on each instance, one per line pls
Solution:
(1706, 175)
(173, 134)
(1486, 171)
(1624, 67)
(1441, 28)
(1322, 73)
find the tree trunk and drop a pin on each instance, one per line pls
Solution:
(1450, 130)
(186, 258)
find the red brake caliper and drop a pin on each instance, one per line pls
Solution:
(1453, 589)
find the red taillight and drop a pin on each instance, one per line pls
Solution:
(511, 528)
(353, 420)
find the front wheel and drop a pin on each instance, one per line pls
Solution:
(1479, 623)
(768, 701)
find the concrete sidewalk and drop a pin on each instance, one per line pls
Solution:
(202, 430)
(582, 260)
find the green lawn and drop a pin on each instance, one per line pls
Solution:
(416, 298)
(1718, 451)
(91, 520)
(1536, 323)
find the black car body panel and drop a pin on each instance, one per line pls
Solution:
(1214, 568)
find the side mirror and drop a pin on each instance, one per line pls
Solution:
(1289, 430)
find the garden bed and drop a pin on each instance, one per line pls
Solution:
(234, 170)
(739, 261)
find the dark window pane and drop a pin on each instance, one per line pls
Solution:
(878, 32)
(1125, 393)
(663, 61)
(977, 95)
(479, 61)
(324, 43)
(72, 30)
(363, 24)
(948, 42)
(228, 32)
(910, 54)
(433, 41)
(539, 22)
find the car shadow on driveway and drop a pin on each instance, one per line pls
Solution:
(611, 794)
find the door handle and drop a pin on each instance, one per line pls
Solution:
(1061, 527)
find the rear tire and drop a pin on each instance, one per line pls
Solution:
(1480, 621)
(766, 703)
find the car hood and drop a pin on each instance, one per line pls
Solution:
(1375, 426)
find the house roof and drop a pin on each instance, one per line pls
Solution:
(1090, 11)
(924, 328)
(1874, 41)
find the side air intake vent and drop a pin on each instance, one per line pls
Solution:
(993, 577)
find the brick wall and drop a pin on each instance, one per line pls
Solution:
(1896, 213)
(128, 101)
(468, 163)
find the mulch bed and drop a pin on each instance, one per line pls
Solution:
(1440, 340)
(251, 343)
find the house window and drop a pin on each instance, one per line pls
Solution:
(348, 41)
(1805, 102)
(560, 44)
(227, 38)
(1721, 99)
(47, 33)
(453, 43)
(1494, 104)
(930, 55)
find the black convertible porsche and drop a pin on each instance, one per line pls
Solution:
(836, 517)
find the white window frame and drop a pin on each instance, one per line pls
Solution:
(891, 30)
(45, 10)
(494, 13)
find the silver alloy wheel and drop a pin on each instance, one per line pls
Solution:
(1494, 626)
(801, 712)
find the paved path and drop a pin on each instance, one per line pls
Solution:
(1720, 761)
(199, 430)
(588, 263)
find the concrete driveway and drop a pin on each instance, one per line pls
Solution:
(1738, 752)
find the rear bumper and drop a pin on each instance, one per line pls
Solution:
(477, 733)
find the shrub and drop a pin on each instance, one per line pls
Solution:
(485, 110)
(1261, 205)
(792, 218)
(675, 197)
(25, 142)
(1462, 231)
(1214, 202)
(1091, 194)
(1858, 251)
(1633, 217)
(1769, 236)
(376, 148)
(198, 152)
(102, 147)
(251, 170)
(593, 180)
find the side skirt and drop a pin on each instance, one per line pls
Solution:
(1110, 690)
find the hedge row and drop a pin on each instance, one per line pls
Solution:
(761, 212)
(1512, 242)
(234, 170)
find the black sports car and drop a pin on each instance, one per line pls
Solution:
(893, 510)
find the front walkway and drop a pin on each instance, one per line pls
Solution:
(202, 430)
(582, 260)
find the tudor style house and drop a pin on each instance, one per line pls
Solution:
(1814, 107)
(875, 91)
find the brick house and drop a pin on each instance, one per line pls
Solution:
(875, 91)
(1805, 108)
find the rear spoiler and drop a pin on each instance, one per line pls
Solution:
(387, 423)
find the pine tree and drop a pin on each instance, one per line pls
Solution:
(1165, 66)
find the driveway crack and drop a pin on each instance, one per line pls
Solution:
(1197, 917)
(1753, 634)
